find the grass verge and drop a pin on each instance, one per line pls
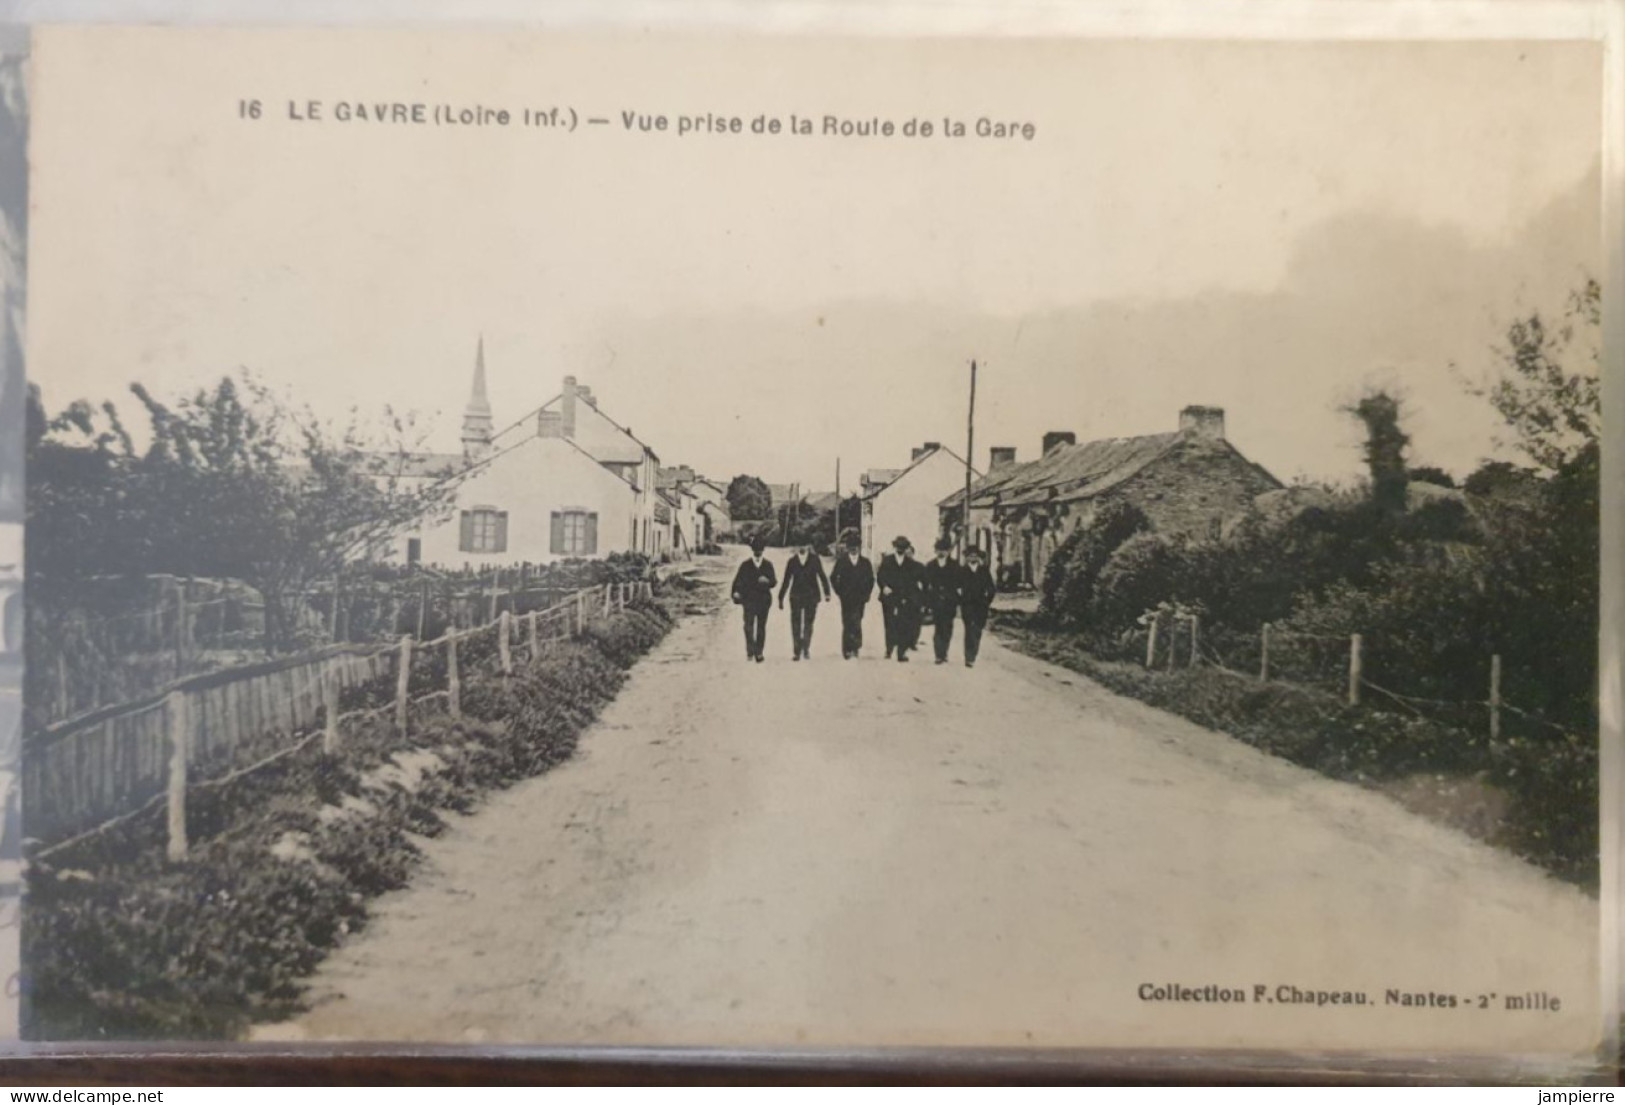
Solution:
(1535, 796)
(120, 944)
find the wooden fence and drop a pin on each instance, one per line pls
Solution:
(1167, 634)
(82, 775)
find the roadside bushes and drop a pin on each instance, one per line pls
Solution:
(120, 944)
(1549, 777)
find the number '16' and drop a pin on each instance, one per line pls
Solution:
(248, 109)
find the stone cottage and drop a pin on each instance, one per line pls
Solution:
(1188, 481)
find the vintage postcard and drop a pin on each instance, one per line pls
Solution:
(759, 541)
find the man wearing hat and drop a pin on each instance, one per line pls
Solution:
(804, 578)
(753, 590)
(976, 591)
(899, 580)
(941, 584)
(853, 578)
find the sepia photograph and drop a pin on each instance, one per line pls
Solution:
(778, 542)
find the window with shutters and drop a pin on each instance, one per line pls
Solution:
(575, 533)
(484, 530)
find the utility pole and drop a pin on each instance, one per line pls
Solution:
(835, 541)
(970, 451)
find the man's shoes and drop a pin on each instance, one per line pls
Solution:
(902, 658)
(970, 663)
(759, 658)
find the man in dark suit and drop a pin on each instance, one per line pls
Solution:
(941, 584)
(899, 580)
(976, 591)
(807, 586)
(853, 578)
(753, 590)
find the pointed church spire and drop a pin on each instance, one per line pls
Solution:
(477, 427)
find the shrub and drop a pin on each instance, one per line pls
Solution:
(1072, 573)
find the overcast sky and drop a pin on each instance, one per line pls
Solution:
(1267, 227)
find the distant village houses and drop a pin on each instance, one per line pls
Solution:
(564, 481)
(1189, 481)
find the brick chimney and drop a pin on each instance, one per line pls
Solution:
(1056, 438)
(1202, 422)
(584, 393)
(567, 409)
(928, 447)
(1000, 456)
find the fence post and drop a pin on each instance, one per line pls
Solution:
(330, 704)
(423, 608)
(180, 629)
(531, 621)
(1264, 655)
(454, 680)
(179, 723)
(1151, 643)
(1173, 639)
(496, 587)
(504, 636)
(402, 681)
(1196, 631)
(1355, 667)
(609, 599)
(1495, 697)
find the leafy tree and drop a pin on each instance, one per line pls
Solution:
(1548, 388)
(749, 500)
(1385, 446)
(235, 483)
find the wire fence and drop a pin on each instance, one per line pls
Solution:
(89, 773)
(1333, 665)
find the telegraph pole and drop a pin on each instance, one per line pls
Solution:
(970, 451)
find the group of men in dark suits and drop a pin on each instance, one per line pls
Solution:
(942, 587)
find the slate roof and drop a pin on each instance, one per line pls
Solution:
(1068, 472)
(881, 476)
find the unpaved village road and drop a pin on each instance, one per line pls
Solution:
(868, 853)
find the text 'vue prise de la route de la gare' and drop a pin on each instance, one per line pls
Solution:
(567, 119)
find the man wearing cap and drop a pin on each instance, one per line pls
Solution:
(976, 591)
(803, 579)
(899, 580)
(753, 590)
(941, 581)
(853, 578)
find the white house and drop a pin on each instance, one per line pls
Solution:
(906, 504)
(566, 481)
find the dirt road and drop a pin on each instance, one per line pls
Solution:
(869, 853)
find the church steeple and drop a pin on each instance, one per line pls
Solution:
(477, 426)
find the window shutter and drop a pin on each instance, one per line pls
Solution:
(592, 535)
(557, 542)
(465, 537)
(502, 531)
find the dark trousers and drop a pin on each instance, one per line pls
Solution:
(973, 635)
(902, 628)
(755, 630)
(851, 627)
(942, 632)
(802, 613)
